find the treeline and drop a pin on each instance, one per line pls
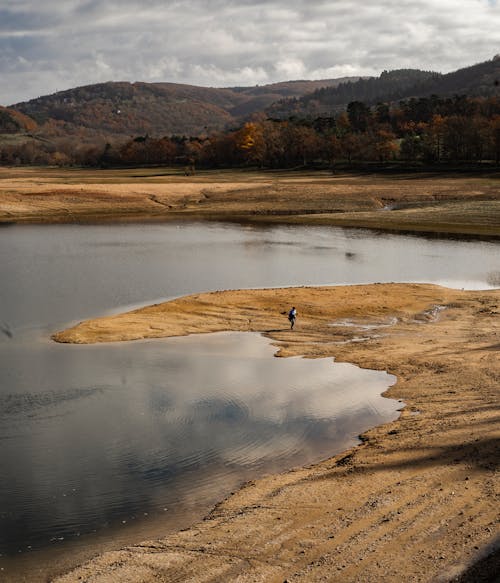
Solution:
(390, 86)
(425, 130)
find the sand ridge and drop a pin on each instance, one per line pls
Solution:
(418, 501)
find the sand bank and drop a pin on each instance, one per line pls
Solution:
(418, 501)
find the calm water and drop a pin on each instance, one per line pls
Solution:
(94, 438)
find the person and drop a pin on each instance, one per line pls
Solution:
(292, 314)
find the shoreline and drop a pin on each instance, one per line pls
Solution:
(425, 484)
(451, 232)
(411, 203)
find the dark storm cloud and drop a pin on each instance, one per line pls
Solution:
(59, 44)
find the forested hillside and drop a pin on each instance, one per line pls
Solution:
(389, 86)
(403, 116)
(14, 122)
(157, 109)
(423, 131)
(480, 80)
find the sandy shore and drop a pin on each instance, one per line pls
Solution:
(413, 202)
(418, 501)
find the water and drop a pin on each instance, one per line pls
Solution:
(95, 438)
(51, 275)
(165, 416)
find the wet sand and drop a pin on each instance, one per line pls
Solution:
(452, 204)
(418, 501)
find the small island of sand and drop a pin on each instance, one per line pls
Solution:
(417, 501)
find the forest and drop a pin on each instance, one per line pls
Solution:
(418, 131)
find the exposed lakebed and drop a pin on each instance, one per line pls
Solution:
(97, 437)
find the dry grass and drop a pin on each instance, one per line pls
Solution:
(416, 202)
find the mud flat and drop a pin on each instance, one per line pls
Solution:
(417, 501)
(409, 202)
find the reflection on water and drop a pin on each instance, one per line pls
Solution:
(168, 416)
(493, 278)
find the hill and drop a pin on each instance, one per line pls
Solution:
(120, 110)
(158, 109)
(15, 122)
(478, 80)
(371, 90)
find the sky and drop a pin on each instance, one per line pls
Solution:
(52, 45)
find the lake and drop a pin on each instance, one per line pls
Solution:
(127, 440)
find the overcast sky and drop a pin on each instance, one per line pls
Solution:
(51, 45)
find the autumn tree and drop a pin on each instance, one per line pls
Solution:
(275, 148)
(249, 141)
(434, 134)
(385, 145)
(334, 150)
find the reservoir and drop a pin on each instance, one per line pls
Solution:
(124, 440)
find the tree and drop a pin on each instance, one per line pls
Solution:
(382, 113)
(334, 150)
(435, 137)
(249, 141)
(412, 147)
(385, 145)
(343, 124)
(454, 137)
(359, 115)
(302, 144)
(275, 148)
(351, 147)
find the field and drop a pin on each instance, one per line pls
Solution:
(453, 204)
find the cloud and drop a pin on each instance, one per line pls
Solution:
(58, 44)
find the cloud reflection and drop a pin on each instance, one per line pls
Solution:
(193, 412)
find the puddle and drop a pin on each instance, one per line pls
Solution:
(364, 325)
(431, 315)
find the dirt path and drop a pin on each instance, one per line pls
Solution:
(418, 501)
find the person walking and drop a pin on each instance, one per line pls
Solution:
(292, 315)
